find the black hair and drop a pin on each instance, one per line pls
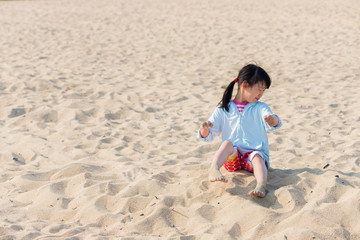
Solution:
(250, 73)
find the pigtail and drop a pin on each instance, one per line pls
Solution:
(224, 103)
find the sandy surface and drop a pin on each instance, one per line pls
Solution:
(101, 101)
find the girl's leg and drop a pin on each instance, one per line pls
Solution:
(221, 156)
(260, 173)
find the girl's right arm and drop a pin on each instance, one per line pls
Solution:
(204, 130)
(211, 128)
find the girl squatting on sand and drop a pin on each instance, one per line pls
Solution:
(243, 123)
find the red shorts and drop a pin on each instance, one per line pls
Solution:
(238, 161)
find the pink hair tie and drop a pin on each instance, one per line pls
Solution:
(235, 80)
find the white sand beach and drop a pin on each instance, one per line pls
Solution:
(101, 102)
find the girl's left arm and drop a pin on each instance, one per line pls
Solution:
(271, 120)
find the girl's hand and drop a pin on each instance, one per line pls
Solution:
(204, 130)
(272, 120)
(206, 124)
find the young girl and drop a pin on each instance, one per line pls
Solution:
(243, 123)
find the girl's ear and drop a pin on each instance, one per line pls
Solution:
(244, 84)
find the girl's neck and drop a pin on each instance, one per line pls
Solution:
(239, 98)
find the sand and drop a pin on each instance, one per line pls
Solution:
(101, 102)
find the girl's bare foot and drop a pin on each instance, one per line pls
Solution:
(259, 190)
(215, 175)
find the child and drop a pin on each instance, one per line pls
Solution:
(243, 123)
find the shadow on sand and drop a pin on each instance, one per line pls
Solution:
(277, 179)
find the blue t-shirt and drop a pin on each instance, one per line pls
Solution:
(248, 131)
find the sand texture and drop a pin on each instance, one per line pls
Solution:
(101, 102)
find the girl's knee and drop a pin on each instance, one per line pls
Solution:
(227, 143)
(258, 159)
(227, 146)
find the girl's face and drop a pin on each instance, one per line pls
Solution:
(254, 93)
